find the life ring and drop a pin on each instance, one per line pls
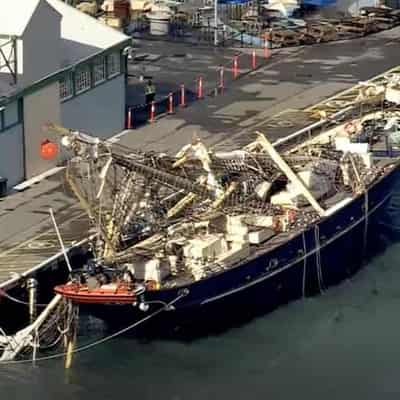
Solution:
(350, 128)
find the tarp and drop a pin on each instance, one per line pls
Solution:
(285, 7)
(319, 3)
(233, 1)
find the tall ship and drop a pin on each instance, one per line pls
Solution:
(207, 234)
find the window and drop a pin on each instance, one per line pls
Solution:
(99, 70)
(82, 79)
(11, 116)
(113, 64)
(66, 88)
(86, 76)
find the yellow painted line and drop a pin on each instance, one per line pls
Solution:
(22, 244)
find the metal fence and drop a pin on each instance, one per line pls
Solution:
(200, 29)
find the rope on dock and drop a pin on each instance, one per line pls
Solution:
(88, 346)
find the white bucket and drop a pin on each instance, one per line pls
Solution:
(159, 23)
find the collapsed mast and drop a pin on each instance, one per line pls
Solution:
(131, 195)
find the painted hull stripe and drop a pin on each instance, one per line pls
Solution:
(287, 266)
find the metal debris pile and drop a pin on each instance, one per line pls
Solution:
(161, 218)
(163, 221)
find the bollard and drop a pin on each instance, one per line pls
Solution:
(152, 111)
(235, 67)
(129, 124)
(170, 103)
(267, 38)
(200, 87)
(253, 59)
(182, 102)
(266, 50)
(221, 78)
(31, 285)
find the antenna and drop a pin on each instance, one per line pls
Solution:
(60, 240)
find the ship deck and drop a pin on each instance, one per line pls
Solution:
(381, 158)
(28, 241)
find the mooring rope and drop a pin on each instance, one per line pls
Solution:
(100, 341)
(366, 210)
(62, 332)
(15, 300)
(304, 263)
(318, 259)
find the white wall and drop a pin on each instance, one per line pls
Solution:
(79, 27)
(11, 155)
(40, 107)
(100, 111)
(41, 44)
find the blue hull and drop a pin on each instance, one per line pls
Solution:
(304, 265)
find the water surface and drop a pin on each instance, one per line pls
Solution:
(340, 345)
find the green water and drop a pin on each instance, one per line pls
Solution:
(343, 344)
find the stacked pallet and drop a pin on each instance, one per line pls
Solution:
(319, 32)
(285, 38)
(371, 20)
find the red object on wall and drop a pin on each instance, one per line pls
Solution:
(48, 150)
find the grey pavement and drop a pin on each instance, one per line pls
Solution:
(298, 78)
(170, 65)
(295, 78)
(25, 214)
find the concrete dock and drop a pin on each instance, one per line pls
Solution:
(268, 99)
(27, 238)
